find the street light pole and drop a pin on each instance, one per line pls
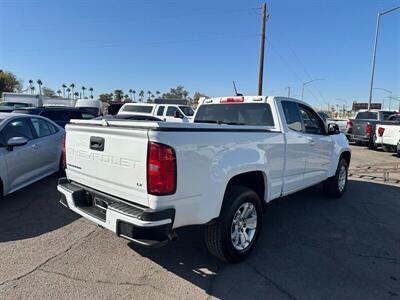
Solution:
(387, 91)
(307, 82)
(374, 53)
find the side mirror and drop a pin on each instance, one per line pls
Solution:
(178, 114)
(333, 128)
(15, 142)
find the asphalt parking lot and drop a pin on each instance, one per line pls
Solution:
(311, 247)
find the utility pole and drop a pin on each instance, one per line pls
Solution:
(261, 67)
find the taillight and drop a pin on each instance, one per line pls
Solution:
(349, 124)
(232, 100)
(161, 169)
(64, 158)
(381, 131)
(368, 129)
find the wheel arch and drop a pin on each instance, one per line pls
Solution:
(254, 180)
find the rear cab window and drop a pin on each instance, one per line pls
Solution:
(255, 114)
(143, 109)
(367, 115)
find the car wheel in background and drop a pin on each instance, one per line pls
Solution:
(233, 236)
(335, 186)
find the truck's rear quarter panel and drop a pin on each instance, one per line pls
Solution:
(207, 160)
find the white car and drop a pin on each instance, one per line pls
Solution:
(166, 112)
(30, 149)
(143, 180)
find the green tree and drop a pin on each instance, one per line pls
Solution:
(176, 93)
(59, 93)
(118, 95)
(48, 92)
(141, 95)
(105, 98)
(9, 82)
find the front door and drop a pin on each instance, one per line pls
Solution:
(320, 146)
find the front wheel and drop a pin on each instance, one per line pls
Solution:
(233, 236)
(335, 186)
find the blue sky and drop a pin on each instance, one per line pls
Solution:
(203, 45)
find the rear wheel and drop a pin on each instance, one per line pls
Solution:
(335, 186)
(233, 236)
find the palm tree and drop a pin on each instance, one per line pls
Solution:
(40, 83)
(126, 98)
(76, 95)
(91, 93)
(133, 92)
(158, 93)
(72, 89)
(30, 84)
(64, 86)
(130, 92)
(141, 95)
(83, 92)
(149, 93)
(68, 90)
(32, 89)
(59, 93)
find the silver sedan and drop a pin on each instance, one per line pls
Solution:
(30, 149)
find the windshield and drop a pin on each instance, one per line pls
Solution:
(187, 110)
(14, 104)
(236, 114)
(92, 110)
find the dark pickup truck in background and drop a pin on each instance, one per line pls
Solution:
(361, 128)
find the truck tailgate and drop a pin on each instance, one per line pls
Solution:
(109, 159)
(391, 134)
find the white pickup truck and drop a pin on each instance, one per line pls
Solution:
(143, 180)
(388, 134)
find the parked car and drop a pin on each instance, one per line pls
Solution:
(388, 133)
(342, 123)
(167, 112)
(30, 149)
(60, 115)
(361, 128)
(143, 180)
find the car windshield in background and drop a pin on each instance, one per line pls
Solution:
(258, 114)
(14, 104)
(91, 110)
(187, 110)
(367, 115)
(138, 109)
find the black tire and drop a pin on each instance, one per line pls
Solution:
(371, 144)
(218, 234)
(331, 185)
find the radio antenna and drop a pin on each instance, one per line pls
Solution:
(236, 92)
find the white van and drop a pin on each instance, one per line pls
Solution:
(91, 105)
(167, 112)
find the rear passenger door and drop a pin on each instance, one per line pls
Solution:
(297, 147)
(49, 144)
(320, 146)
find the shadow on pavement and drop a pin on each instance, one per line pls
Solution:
(310, 247)
(33, 211)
